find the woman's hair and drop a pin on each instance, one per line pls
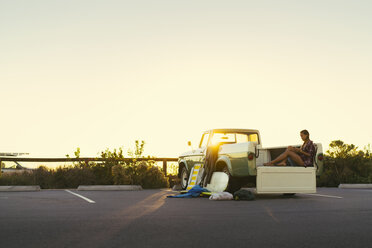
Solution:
(305, 132)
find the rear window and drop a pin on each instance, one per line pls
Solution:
(233, 138)
(223, 137)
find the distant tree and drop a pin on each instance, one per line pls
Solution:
(345, 163)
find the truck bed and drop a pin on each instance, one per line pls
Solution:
(270, 153)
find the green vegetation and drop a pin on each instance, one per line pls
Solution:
(111, 171)
(346, 163)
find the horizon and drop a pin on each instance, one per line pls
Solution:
(131, 148)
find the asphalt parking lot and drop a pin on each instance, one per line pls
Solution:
(58, 218)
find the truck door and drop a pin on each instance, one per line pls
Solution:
(199, 153)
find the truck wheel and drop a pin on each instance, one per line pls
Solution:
(234, 183)
(184, 178)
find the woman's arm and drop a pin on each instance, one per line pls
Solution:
(300, 151)
(310, 150)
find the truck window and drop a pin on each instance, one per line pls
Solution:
(233, 138)
(223, 138)
(229, 138)
(204, 140)
(253, 137)
(241, 138)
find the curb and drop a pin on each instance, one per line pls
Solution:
(355, 186)
(109, 187)
(19, 188)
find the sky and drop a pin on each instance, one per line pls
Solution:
(102, 74)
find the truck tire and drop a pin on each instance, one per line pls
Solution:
(184, 177)
(234, 183)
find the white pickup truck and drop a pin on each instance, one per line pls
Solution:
(241, 156)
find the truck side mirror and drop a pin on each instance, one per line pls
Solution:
(189, 143)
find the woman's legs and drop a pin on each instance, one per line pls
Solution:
(283, 163)
(296, 158)
(283, 157)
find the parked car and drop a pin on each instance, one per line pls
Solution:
(241, 156)
(13, 167)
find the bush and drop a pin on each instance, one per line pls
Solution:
(142, 173)
(73, 176)
(137, 172)
(19, 178)
(43, 177)
(120, 176)
(344, 163)
(112, 171)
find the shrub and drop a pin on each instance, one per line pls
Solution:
(344, 163)
(112, 171)
(44, 177)
(19, 178)
(142, 173)
(119, 175)
(73, 176)
(152, 177)
(137, 172)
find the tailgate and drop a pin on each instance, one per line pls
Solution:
(275, 179)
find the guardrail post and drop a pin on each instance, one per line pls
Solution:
(165, 167)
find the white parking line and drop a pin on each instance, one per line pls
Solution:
(87, 199)
(329, 196)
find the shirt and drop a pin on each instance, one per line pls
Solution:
(308, 148)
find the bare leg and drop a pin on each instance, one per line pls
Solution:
(283, 163)
(296, 158)
(282, 157)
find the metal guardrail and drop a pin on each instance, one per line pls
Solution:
(87, 160)
(12, 154)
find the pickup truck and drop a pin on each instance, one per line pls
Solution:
(241, 156)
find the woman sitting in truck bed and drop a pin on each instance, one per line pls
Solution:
(303, 156)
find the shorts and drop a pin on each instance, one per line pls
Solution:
(291, 162)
